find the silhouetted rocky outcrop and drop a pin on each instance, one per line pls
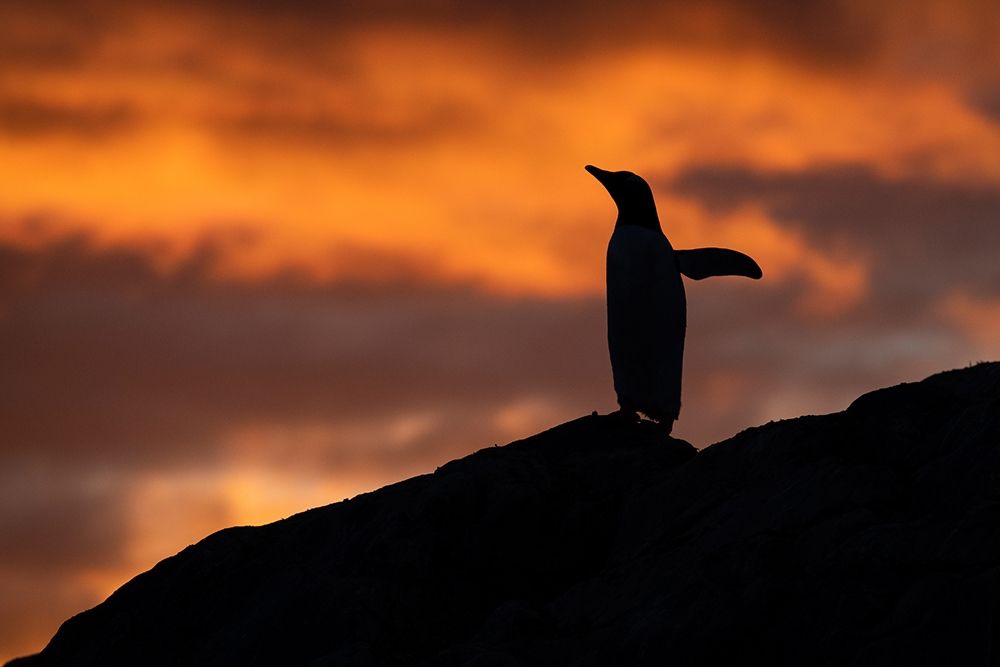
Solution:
(865, 537)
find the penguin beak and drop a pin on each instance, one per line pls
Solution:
(601, 175)
(609, 179)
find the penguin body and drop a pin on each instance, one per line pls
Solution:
(647, 316)
(647, 307)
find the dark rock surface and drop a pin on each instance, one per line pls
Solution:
(865, 537)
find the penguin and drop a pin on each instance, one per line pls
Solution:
(647, 307)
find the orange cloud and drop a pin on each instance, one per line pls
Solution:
(831, 281)
(473, 162)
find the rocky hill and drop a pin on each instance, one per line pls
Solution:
(866, 537)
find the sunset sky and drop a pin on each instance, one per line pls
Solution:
(257, 257)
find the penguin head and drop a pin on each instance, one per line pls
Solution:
(631, 194)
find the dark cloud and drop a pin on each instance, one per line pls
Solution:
(750, 358)
(57, 519)
(833, 31)
(272, 102)
(108, 359)
(41, 53)
(52, 35)
(72, 262)
(97, 373)
(985, 98)
(31, 118)
(921, 237)
(103, 352)
(428, 121)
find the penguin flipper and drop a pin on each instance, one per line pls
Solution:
(701, 263)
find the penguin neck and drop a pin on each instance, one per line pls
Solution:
(650, 222)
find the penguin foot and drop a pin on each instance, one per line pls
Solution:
(664, 424)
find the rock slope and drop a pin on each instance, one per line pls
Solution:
(865, 537)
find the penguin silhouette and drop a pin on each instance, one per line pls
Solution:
(647, 308)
